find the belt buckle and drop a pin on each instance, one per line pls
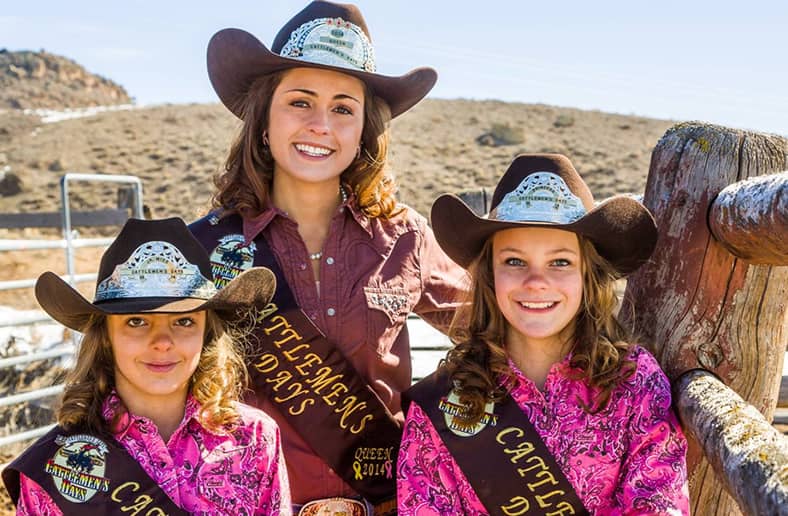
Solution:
(334, 507)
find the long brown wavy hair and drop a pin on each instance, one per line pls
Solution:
(216, 383)
(243, 185)
(478, 364)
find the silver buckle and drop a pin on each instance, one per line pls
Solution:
(334, 507)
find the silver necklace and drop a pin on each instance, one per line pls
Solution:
(318, 255)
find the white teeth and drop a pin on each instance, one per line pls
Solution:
(312, 150)
(538, 305)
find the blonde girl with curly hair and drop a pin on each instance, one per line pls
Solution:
(545, 405)
(150, 415)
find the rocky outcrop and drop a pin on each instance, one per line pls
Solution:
(40, 80)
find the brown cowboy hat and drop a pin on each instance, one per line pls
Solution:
(155, 266)
(323, 35)
(545, 190)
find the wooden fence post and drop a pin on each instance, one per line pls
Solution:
(697, 305)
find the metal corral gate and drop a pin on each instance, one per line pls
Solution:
(70, 242)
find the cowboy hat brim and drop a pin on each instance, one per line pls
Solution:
(252, 289)
(622, 230)
(236, 58)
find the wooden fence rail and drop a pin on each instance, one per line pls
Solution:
(714, 297)
(750, 456)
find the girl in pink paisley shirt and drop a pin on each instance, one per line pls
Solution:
(540, 334)
(150, 417)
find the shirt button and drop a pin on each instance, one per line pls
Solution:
(330, 260)
(313, 316)
(331, 312)
(302, 266)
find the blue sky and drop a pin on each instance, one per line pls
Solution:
(718, 61)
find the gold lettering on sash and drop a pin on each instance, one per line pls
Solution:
(281, 377)
(561, 507)
(361, 424)
(321, 379)
(522, 449)
(299, 390)
(304, 403)
(349, 405)
(291, 334)
(335, 391)
(309, 359)
(518, 505)
(370, 462)
(507, 431)
(517, 451)
(265, 312)
(288, 354)
(307, 381)
(537, 458)
(141, 502)
(278, 321)
(540, 499)
(133, 485)
(266, 363)
(544, 473)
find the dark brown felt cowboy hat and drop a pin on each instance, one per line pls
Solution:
(323, 35)
(155, 266)
(545, 190)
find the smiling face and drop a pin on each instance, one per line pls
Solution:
(315, 122)
(155, 356)
(538, 285)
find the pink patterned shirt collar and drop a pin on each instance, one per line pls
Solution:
(629, 456)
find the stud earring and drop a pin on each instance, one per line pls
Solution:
(358, 152)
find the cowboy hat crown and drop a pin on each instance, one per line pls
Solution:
(545, 190)
(323, 35)
(154, 266)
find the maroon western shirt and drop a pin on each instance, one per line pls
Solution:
(373, 272)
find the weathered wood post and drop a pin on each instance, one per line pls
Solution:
(717, 301)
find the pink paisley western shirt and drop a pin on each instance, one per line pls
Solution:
(629, 458)
(373, 273)
(239, 474)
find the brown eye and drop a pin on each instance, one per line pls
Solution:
(185, 322)
(135, 322)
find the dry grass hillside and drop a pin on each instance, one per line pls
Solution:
(439, 146)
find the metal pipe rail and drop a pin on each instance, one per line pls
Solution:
(31, 395)
(60, 351)
(18, 244)
(24, 436)
(26, 320)
(29, 283)
(66, 207)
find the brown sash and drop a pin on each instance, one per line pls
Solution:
(84, 474)
(504, 459)
(305, 376)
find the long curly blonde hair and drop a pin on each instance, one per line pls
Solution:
(217, 382)
(478, 363)
(244, 183)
